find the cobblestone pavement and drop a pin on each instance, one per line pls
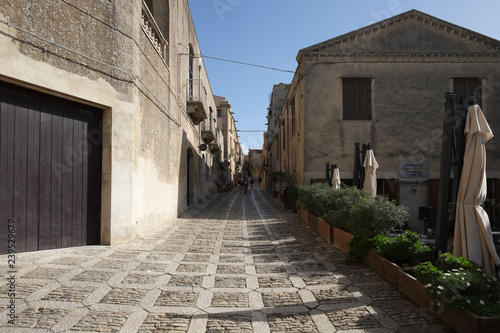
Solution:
(240, 264)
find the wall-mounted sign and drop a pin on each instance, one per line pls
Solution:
(413, 182)
(414, 173)
(414, 165)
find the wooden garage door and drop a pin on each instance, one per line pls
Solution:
(50, 170)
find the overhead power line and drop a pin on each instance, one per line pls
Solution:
(247, 64)
(252, 130)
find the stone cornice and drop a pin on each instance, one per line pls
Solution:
(403, 58)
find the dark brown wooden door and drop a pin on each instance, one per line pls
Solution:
(50, 170)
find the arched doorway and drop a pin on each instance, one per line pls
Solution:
(190, 176)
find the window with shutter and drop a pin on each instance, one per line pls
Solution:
(357, 99)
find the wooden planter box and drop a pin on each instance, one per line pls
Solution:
(304, 215)
(341, 239)
(325, 230)
(466, 322)
(460, 321)
(313, 221)
(413, 289)
(385, 268)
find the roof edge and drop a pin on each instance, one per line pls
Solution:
(391, 20)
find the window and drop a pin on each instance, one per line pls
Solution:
(219, 113)
(357, 99)
(284, 134)
(462, 86)
(292, 114)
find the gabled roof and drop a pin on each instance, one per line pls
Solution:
(412, 32)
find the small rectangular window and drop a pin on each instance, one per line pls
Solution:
(357, 99)
(468, 85)
(284, 134)
(292, 115)
(219, 113)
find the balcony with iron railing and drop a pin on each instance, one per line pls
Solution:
(208, 130)
(215, 145)
(196, 100)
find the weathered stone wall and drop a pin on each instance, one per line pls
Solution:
(95, 52)
(407, 112)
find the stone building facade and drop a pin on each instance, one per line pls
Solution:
(255, 164)
(272, 147)
(231, 158)
(385, 84)
(105, 110)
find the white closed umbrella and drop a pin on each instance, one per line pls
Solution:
(370, 164)
(473, 239)
(336, 179)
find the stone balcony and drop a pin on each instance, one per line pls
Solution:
(196, 101)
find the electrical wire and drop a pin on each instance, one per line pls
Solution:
(132, 77)
(248, 64)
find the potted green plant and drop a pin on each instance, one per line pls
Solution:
(463, 297)
(390, 254)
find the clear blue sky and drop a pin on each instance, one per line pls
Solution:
(271, 32)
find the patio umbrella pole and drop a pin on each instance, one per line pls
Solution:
(355, 178)
(458, 149)
(451, 159)
(362, 171)
(442, 222)
(329, 173)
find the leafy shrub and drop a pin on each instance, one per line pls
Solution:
(360, 212)
(291, 197)
(352, 209)
(402, 249)
(461, 285)
(316, 198)
(447, 262)
(427, 273)
(359, 246)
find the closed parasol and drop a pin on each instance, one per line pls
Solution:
(336, 179)
(370, 164)
(473, 239)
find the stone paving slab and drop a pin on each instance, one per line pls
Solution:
(241, 263)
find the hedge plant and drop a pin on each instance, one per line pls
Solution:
(318, 198)
(355, 211)
(351, 209)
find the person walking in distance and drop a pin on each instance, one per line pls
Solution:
(245, 184)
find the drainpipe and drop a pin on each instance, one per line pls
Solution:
(355, 178)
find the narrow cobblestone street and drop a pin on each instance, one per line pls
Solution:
(240, 264)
